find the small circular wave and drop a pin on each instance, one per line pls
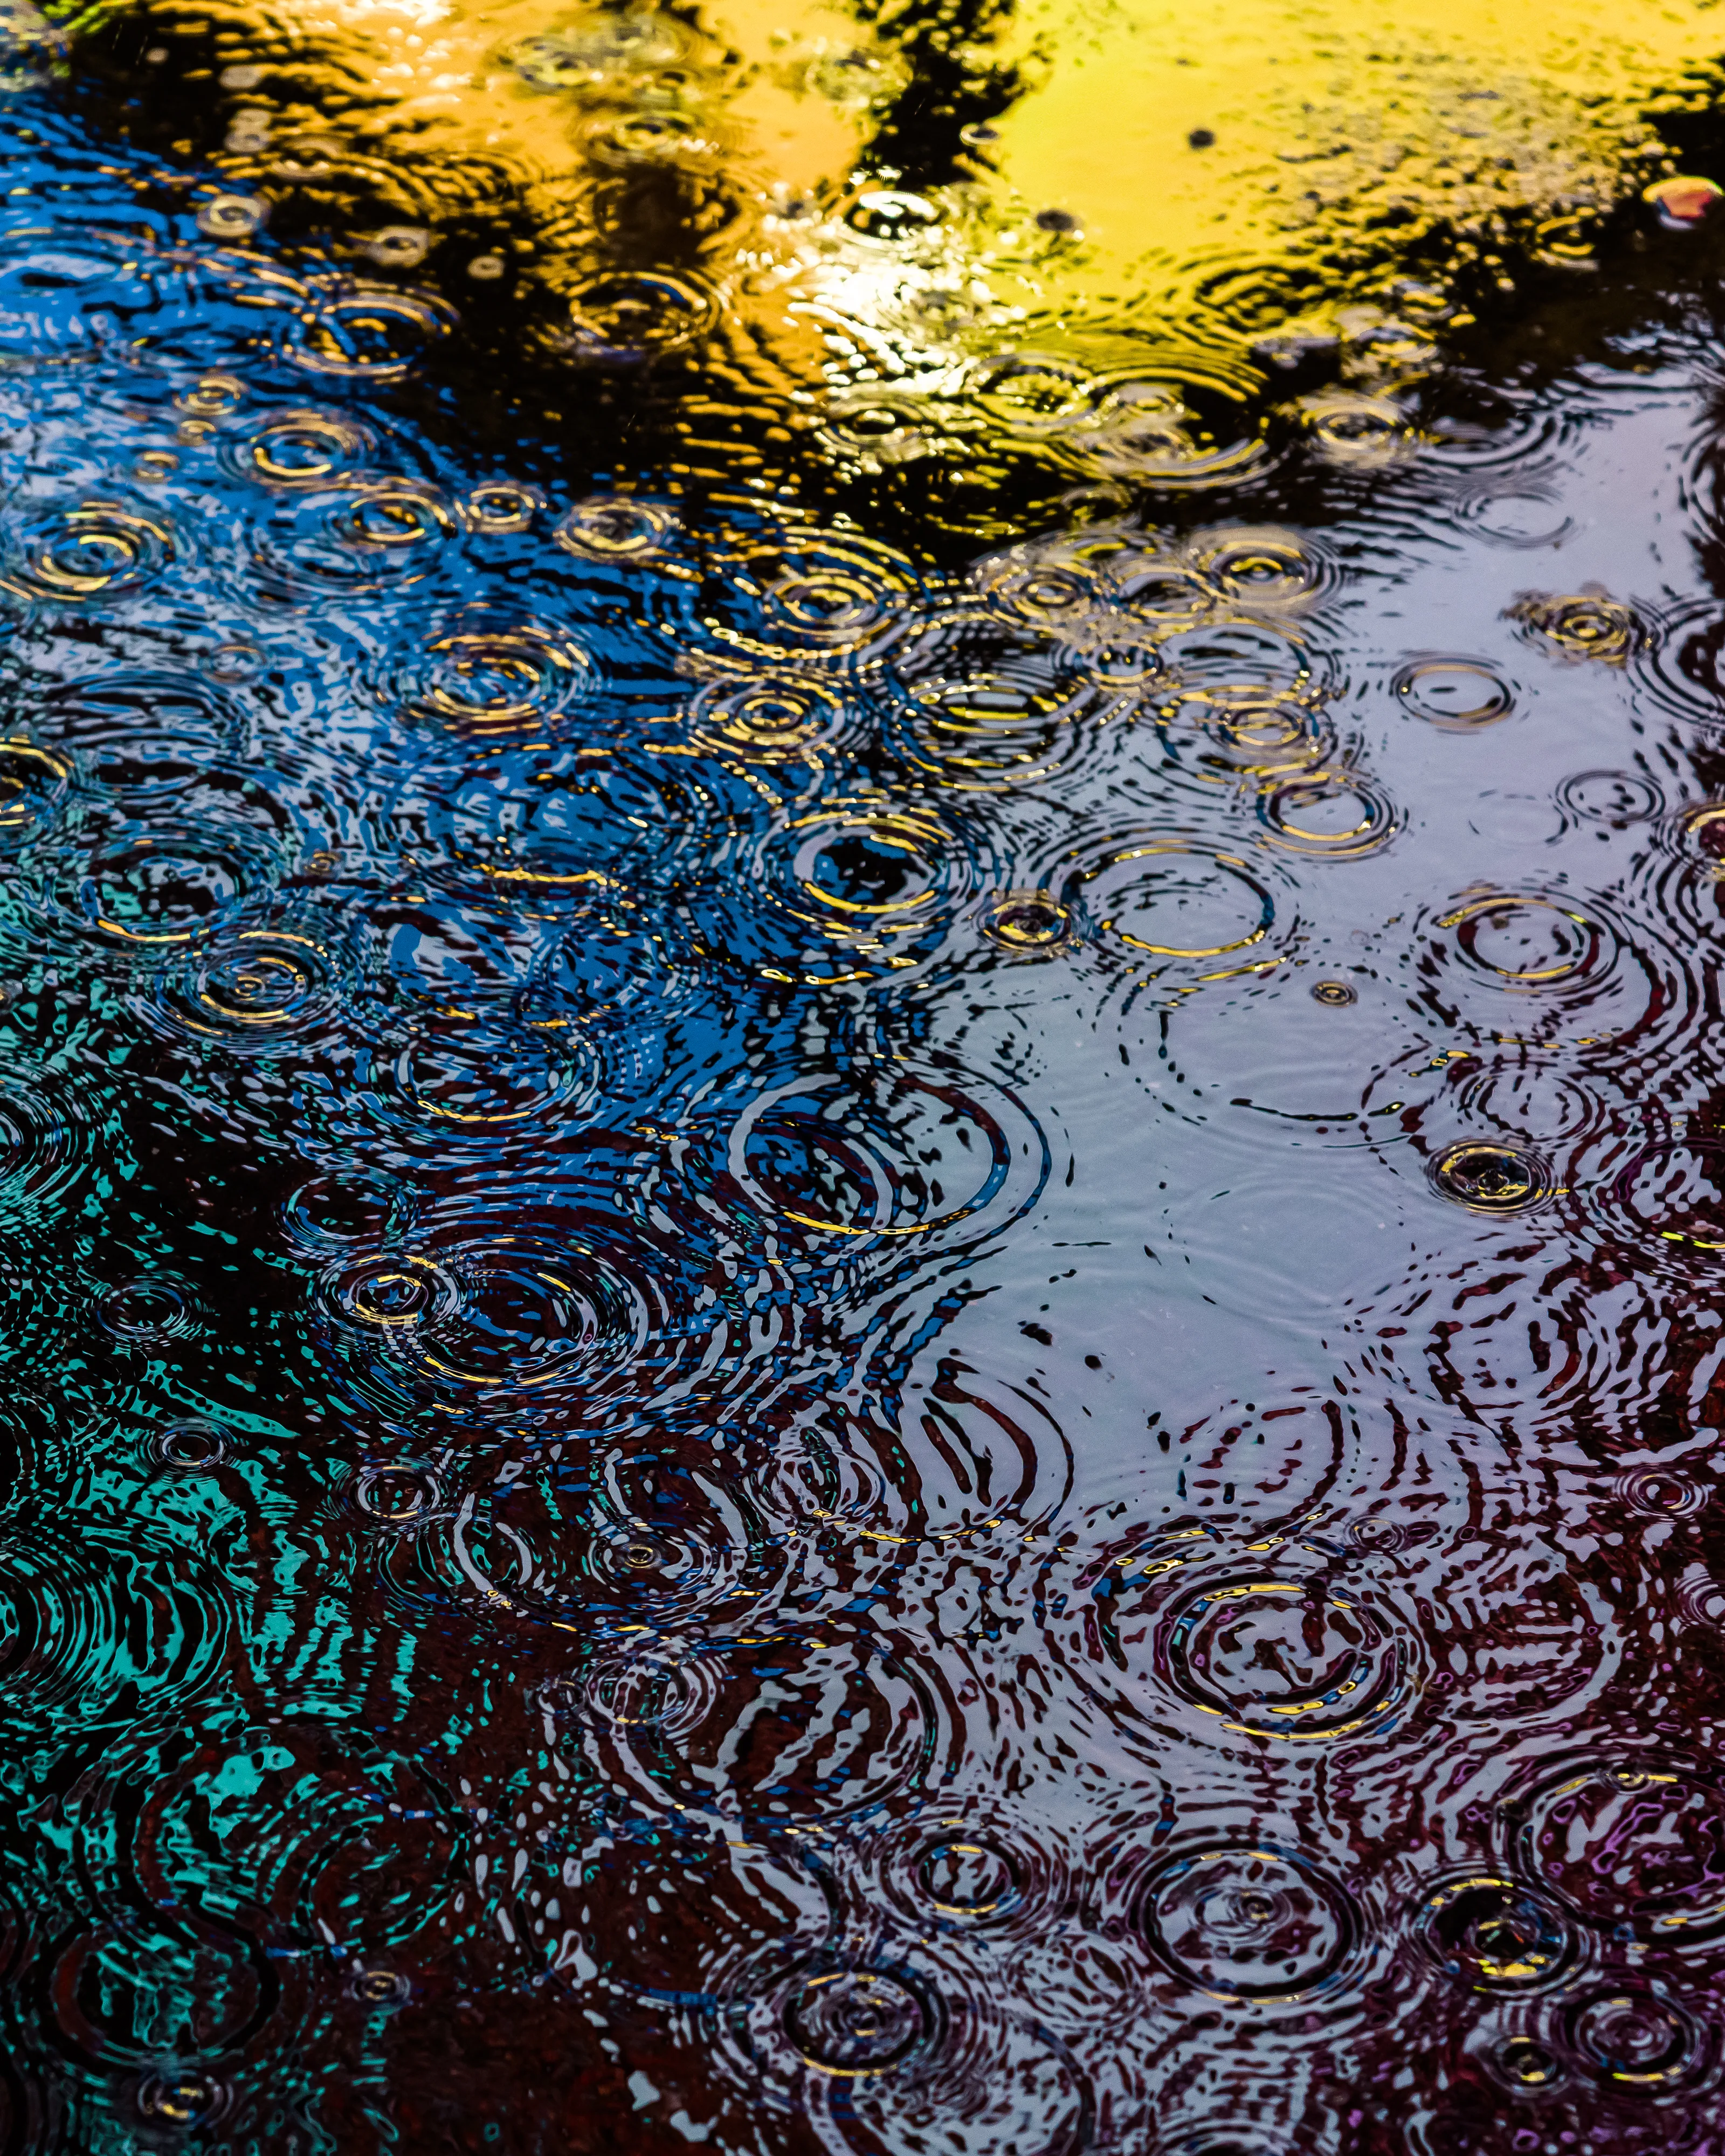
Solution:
(1056, 586)
(182, 2099)
(1540, 968)
(99, 550)
(1586, 624)
(1250, 1924)
(374, 536)
(618, 47)
(660, 1685)
(857, 2022)
(1502, 1092)
(1232, 661)
(402, 1496)
(1257, 568)
(254, 988)
(629, 316)
(1491, 1934)
(301, 448)
(371, 333)
(192, 1446)
(779, 718)
(1163, 902)
(1668, 1196)
(880, 2053)
(809, 597)
(617, 529)
(395, 1292)
(1637, 2039)
(150, 888)
(505, 1318)
(333, 1214)
(1175, 421)
(1662, 1493)
(1262, 735)
(1491, 1178)
(1030, 924)
(887, 1153)
(1336, 815)
(1627, 1843)
(983, 705)
(484, 1076)
(499, 505)
(971, 1879)
(494, 679)
(1304, 1661)
(153, 1307)
(34, 786)
(1700, 1599)
(1615, 799)
(325, 1840)
(854, 888)
(84, 1624)
(1522, 512)
(1357, 433)
(46, 1145)
(1681, 662)
(1458, 695)
(832, 1726)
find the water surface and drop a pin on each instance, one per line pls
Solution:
(862, 1167)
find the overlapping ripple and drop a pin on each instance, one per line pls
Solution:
(860, 1138)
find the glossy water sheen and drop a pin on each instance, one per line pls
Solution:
(862, 1100)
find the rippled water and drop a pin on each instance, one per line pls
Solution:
(861, 1171)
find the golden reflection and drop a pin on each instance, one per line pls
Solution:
(844, 213)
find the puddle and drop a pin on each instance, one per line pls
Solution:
(861, 1165)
